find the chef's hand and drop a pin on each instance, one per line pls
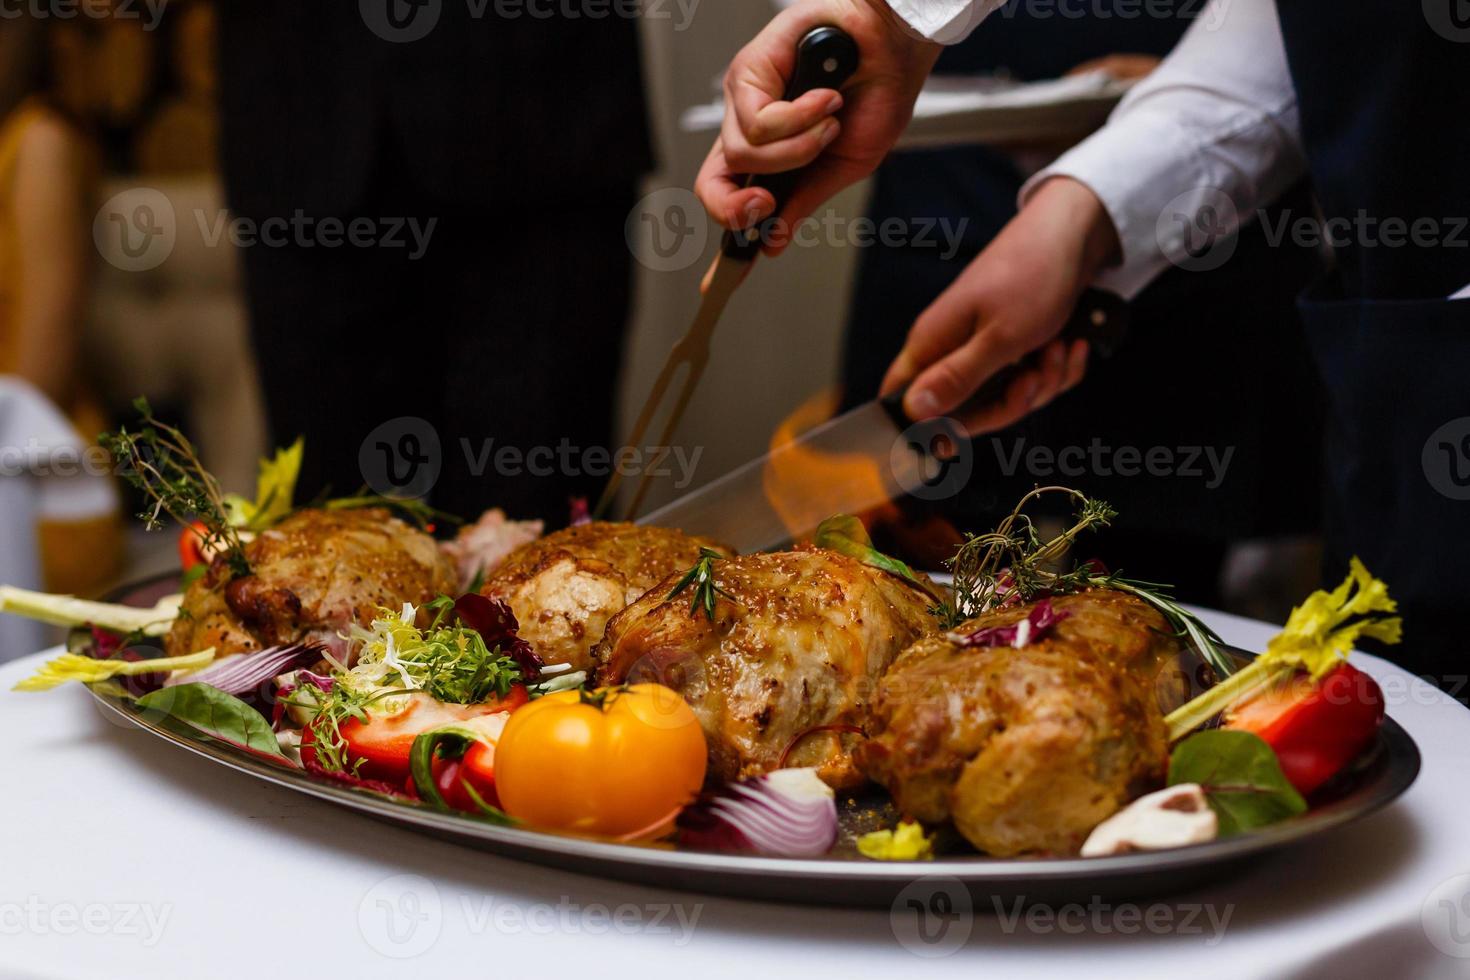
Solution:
(1013, 299)
(762, 134)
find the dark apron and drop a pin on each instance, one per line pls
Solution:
(1384, 93)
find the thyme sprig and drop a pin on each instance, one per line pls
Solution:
(160, 461)
(1013, 564)
(701, 575)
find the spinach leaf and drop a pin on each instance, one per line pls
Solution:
(1241, 778)
(212, 712)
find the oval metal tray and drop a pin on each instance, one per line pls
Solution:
(844, 878)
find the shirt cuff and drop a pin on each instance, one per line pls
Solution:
(1139, 195)
(943, 21)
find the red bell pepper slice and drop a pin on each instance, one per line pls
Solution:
(1315, 728)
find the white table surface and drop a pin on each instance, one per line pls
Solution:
(123, 856)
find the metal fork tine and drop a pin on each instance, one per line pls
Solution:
(696, 362)
(692, 352)
(645, 418)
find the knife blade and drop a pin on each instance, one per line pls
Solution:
(826, 57)
(760, 505)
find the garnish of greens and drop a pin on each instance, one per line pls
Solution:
(701, 576)
(846, 535)
(395, 658)
(162, 464)
(1012, 564)
(1319, 635)
(1240, 776)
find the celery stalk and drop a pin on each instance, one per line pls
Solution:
(65, 610)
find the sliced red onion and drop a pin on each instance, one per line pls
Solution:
(1039, 622)
(785, 813)
(247, 673)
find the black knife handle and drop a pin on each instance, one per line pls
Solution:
(825, 58)
(1100, 318)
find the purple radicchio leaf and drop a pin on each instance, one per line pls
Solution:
(1037, 624)
(497, 626)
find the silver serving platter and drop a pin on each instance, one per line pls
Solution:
(843, 878)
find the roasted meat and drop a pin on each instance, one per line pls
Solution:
(566, 586)
(1026, 750)
(313, 574)
(797, 640)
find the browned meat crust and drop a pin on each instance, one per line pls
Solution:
(1026, 750)
(566, 586)
(314, 573)
(796, 645)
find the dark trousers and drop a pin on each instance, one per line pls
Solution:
(504, 337)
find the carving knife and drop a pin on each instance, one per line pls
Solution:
(783, 495)
(826, 57)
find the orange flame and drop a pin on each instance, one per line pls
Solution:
(805, 486)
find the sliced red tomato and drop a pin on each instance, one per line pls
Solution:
(382, 744)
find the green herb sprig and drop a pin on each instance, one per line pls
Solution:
(701, 576)
(1013, 564)
(161, 462)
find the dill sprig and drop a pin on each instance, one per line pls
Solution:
(701, 575)
(1013, 564)
(161, 462)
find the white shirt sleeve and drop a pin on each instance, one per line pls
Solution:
(1197, 147)
(944, 21)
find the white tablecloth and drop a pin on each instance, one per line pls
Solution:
(124, 857)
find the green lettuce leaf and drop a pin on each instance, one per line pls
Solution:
(1241, 778)
(212, 712)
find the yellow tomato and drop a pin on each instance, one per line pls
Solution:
(614, 763)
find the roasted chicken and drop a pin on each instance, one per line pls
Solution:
(313, 574)
(566, 586)
(796, 642)
(1028, 749)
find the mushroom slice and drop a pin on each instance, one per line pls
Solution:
(1171, 817)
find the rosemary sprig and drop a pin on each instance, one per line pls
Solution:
(1185, 623)
(161, 462)
(1013, 564)
(701, 575)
